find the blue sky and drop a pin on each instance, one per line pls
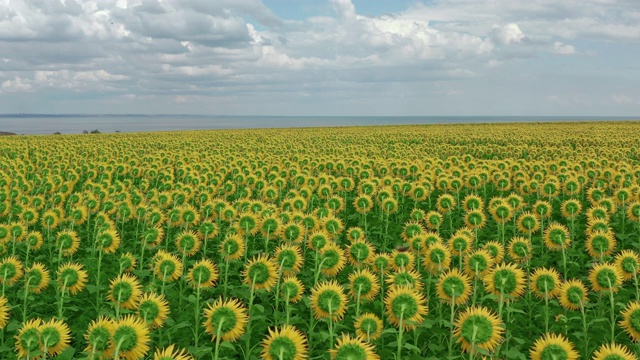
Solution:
(317, 57)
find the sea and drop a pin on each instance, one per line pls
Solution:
(70, 124)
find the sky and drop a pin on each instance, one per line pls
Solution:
(321, 57)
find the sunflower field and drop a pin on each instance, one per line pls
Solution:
(493, 241)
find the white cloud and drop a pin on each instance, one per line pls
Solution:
(15, 85)
(508, 34)
(622, 99)
(189, 50)
(563, 49)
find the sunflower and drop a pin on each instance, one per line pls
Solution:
(573, 294)
(445, 203)
(405, 278)
(72, 277)
(363, 285)
(260, 273)
(318, 240)
(125, 291)
(328, 301)
(475, 219)
(203, 274)
(130, 338)
(519, 249)
(381, 262)
(459, 244)
(437, 257)
(596, 225)
(545, 282)
(153, 236)
(292, 289)
(553, 346)
(332, 225)
(172, 353)
(478, 328)
(478, 263)
(29, 339)
(127, 262)
(613, 352)
(188, 242)
(331, 259)
(50, 220)
(153, 309)
(55, 336)
(454, 285)
(34, 240)
(248, 223)
(631, 320)
(570, 208)
(502, 212)
(600, 244)
(286, 343)
(363, 203)
(29, 215)
(557, 237)
(433, 220)
(37, 278)
(542, 209)
(633, 211)
(4, 233)
(225, 318)
(108, 241)
(411, 229)
(389, 206)
(495, 250)
(605, 277)
(207, 229)
(406, 306)
(597, 213)
(167, 267)
(4, 312)
(401, 260)
(472, 202)
(289, 259)
(368, 326)
(232, 247)
(505, 280)
(10, 270)
(98, 337)
(353, 348)
(628, 262)
(360, 252)
(67, 242)
(18, 230)
(528, 222)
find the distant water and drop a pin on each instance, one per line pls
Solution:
(68, 124)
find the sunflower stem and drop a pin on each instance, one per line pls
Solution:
(546, 309)
(330, 327)
(61, 301)
(453, 305)
(584, 330)
(613, 314)
(98, 278)
(278, 287)
(24, 305)
(197, 312)
(247, 353)
(399, 351)
(218, 330)
(226, 277)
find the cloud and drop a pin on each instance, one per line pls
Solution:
(563, 49)
(231, 52)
